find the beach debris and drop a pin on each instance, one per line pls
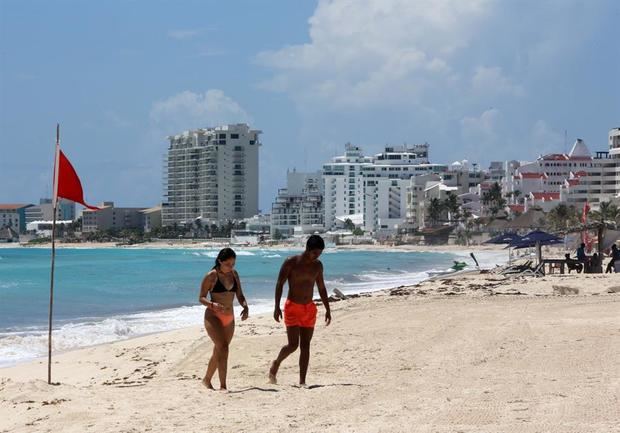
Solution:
(613, 289)
(53, 402)
(339, 294)
(564, 290)
(400, 291)
(518, 292)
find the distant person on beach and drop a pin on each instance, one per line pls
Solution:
(223, 283)
(596, 264)
(301, 272)
(615, 255)
(581, 253)
(583, 258)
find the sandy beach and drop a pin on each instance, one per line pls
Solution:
(472, 353)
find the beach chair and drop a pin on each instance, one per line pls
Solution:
(538, 271)
(515, 269)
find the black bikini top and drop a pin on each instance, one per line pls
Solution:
(219, 287)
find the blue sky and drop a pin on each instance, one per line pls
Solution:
(480, 80)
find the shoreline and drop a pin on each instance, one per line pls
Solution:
(203, 244)
(156, 315)
(477, 353)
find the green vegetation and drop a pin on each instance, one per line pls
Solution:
(493, 199)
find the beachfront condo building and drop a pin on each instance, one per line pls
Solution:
(386, 185)
(13, 216)
(572, 178)
(44, 211)
(151, 218)
(211, 174)
(298, 208)
(459, 178)
(416, 199)
(344, 187)
(614, 143)
(109, 217)
(373, 191)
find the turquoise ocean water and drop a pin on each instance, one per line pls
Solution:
(107, 294)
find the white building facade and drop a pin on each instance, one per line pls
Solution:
(572, 178)
(343, 185)
(374, 192)
(299, 206)
(44, 211)
(211, 174)
(109, 217)
(387, 185)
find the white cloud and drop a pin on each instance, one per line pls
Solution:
(189, 110)
(492, 82)
(545, 139)
(385, 50)
(116, 119)
(182, 34)
(482, 128)
(376, 71)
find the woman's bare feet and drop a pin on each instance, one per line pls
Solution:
(207, 383)
(273, 371)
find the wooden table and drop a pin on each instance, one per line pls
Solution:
(553, 262)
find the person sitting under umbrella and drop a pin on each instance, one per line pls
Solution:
(583, 258)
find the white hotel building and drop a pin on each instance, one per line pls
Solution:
(299, 206)
(387, 184)
(572, 178)
(373, 191)
(343, 186)
(211, 174)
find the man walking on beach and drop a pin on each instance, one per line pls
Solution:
(301, 272)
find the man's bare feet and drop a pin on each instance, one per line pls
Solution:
(207, 383)
(273, 370)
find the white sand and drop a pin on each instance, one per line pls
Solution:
(458, 358)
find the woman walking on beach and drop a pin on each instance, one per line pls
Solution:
(223, 283)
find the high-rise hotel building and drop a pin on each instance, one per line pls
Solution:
(211, 174)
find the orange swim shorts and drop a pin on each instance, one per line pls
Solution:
(302, 315)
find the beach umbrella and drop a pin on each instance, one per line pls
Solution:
(504, 238)
(536, 238)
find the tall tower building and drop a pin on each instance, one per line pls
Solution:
(211, 174)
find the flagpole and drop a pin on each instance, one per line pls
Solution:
(54, 204)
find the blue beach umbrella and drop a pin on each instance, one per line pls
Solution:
(504, 238)
(536, 238)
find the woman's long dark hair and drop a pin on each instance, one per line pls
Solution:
(223, 255)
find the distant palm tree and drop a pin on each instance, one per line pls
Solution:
(451, 204)
(435, 210)
(493, 199)
(607, 212)
(561, 217)
(349, 225)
